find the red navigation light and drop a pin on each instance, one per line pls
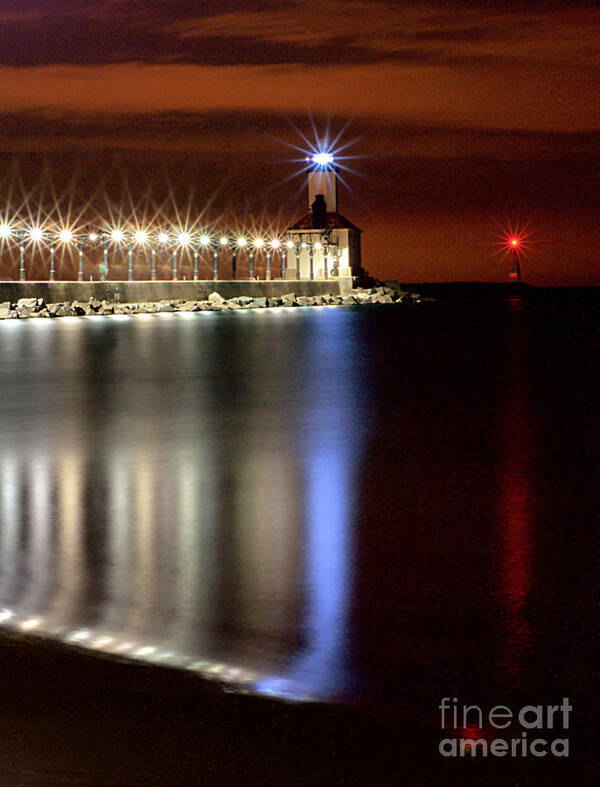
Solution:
(514, 242)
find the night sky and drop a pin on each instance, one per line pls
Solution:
(458, 117)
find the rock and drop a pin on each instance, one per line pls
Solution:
(385, 299)
(6, 313)
(23, 312)
(108, 309)
(216, 299)
(53, 309)
(349, 300)
(78, 308)
(33, 304)
(289, 300)
(274, 301)
(260, 303)
(64, 310)
(165, 306)
(95, 304)
(245, 300)
(189, 306)
(414, 296)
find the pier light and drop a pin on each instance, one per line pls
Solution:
(66, 236)
(224, 241)
(259, 243)
(318, 246)
(163, 237)
(93, 237)
(275, 243)
(184, 239)
(140, 237)
(304, 244)
(36, 234)
(205, 240)
(117, 236)
(322, 159)
(514, 242)
(290, 244)
(241, 242)
(5, 231)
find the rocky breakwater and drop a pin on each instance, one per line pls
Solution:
(27, 308)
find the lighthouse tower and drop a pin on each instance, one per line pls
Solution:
(323, 244)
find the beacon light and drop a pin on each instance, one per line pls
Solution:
(5, 231)
(224, 241)
(322, 159)
(141, 237)
(65, 236)
(117, 236)
(259, 243)
(275, 243)
(514, 242)
(184, 239)
(36, 234)
(163, 237)
(204, 240)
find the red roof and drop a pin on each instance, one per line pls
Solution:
(334, 221)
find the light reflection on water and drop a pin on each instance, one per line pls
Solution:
(309, 502)
(161, 503)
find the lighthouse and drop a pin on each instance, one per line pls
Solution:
(323, 244)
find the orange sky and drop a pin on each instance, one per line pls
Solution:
(461, 117)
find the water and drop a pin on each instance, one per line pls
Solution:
(382, 504)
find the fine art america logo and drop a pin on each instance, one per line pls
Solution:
(529, 731)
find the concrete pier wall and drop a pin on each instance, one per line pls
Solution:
(140, 291)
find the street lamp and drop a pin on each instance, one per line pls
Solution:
(184, 239)
(256, 246)
(274, 246)
(65, 236)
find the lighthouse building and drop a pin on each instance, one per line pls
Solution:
(323, 244)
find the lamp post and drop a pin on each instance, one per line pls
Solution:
(311, 257)
(80, 245)
(298, 251)
(52, 256)
(205, 243)
(224, 244)
(258, 245)
(196, 255)
(117, 236)
(65, 237)
(184, 240)
(515, 268)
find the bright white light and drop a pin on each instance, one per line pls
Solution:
(224, 241)
(322, 159)
(36, 234)
(5, 231)
(66, 236)
(184, 238)
(242, 242)
(30, 623)
(259, 243)
(93, 237)
(163, 237)
(318, 246)
(117, 236)
(290, 244)
(141, 237)
(205, 240)
(275, 244)
(304, 245)
(5, 615)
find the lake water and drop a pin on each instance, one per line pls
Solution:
(383, 504)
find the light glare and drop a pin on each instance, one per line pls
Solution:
(322, 159)
(36, 234)
(117, 236)
(205, 240)
(5, 230)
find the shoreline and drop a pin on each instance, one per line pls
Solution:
(27, 308)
